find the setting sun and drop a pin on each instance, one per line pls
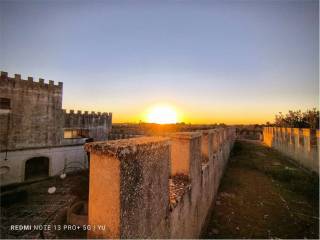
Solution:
(162, 115)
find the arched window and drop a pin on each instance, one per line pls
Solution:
(37, 168)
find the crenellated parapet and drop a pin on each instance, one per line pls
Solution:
(35, 118)
(86, 119)
(301, 144)
(155, 187)
(17, 82)
(95, 125)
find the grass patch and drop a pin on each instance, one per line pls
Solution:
(296, 181)
(229, 183)
(283, 174)
(243, 157)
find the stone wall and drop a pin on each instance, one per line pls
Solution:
(35, 115)
(33, 124)
(302, 145)
(69, 158)
(249, 132)
(98, 125)
(156, 187)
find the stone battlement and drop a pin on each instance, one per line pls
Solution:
(301, 144)
(87, 119)
(34, 116)
(17, 81)
(87, 113)
(156, 187)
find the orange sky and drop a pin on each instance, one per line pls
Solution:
(199, 115)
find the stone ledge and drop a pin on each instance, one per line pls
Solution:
(185, 135)
(123, 147)
(208, 131)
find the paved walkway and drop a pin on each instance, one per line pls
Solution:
(37, 207)
(263, 195)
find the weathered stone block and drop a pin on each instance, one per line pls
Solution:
(129, 188)
(186, 154)
(207, 145)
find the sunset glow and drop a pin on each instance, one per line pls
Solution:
(205, 60)
(162, 115)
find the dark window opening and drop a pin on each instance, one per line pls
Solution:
(36, 168)
(4, 103)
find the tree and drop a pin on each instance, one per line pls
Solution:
(298, 119)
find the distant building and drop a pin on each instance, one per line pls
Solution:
(37, 137)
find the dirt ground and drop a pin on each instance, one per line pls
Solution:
(264, 195)
(36, 207)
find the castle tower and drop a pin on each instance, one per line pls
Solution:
(30, 113)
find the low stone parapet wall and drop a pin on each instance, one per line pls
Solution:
(156, 187)
(301, 144)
